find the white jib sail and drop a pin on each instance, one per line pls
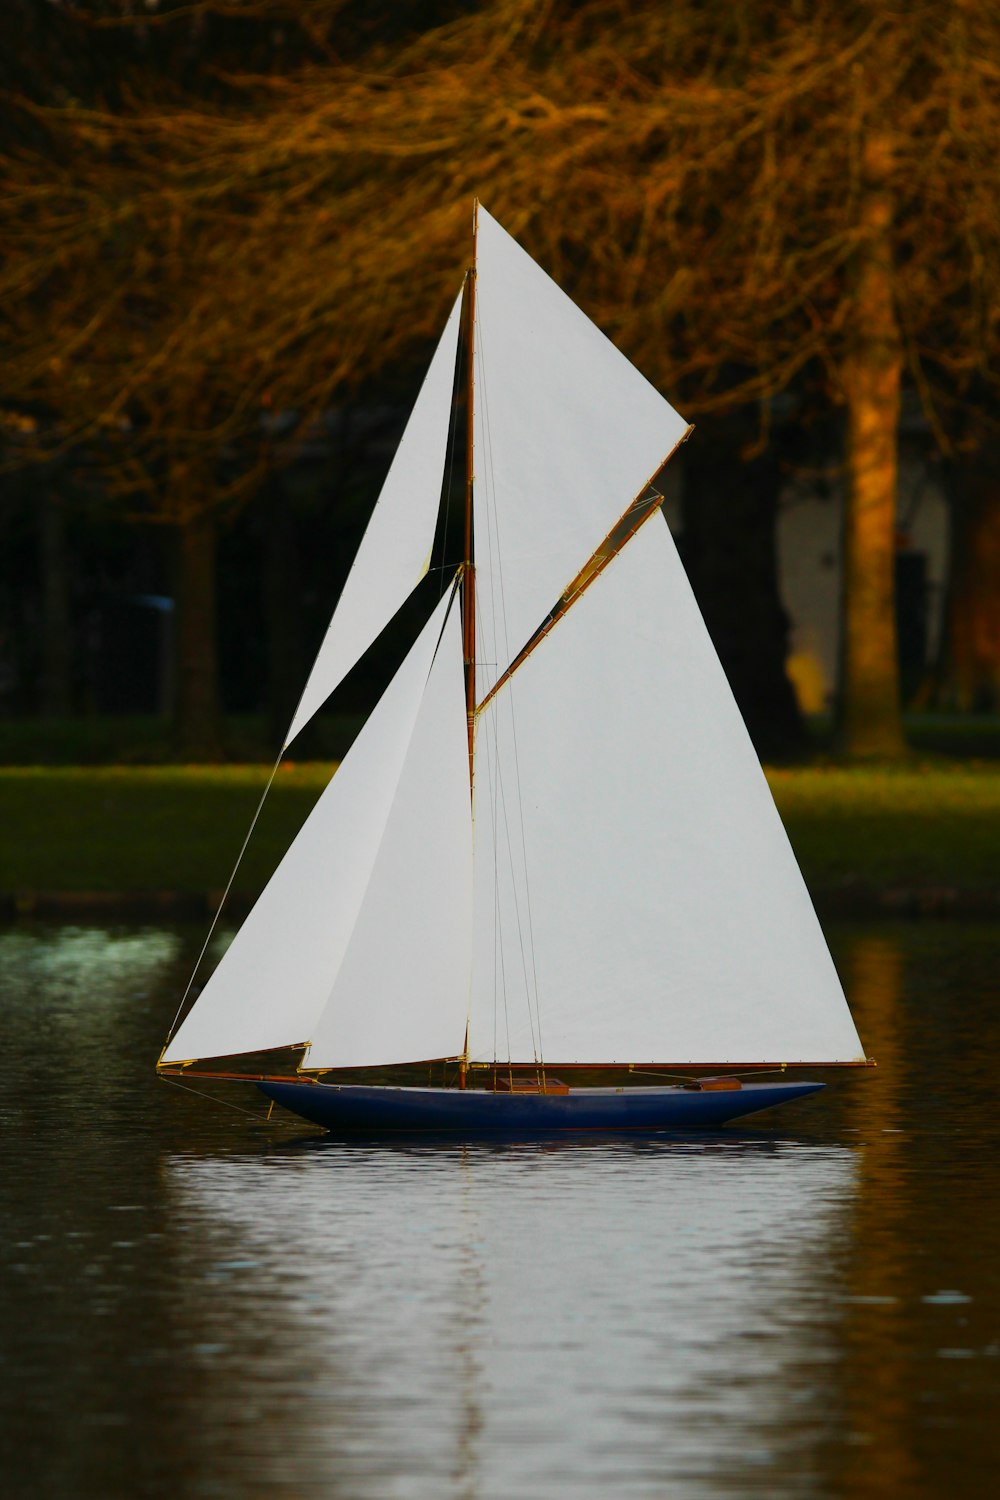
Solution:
(395, 550)
(402, 991)
(616, 784)
(275, 978)
(544, 500)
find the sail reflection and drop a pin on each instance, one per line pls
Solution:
(582, 1320)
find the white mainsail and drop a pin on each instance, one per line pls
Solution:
(567, 435)
(395, 550)
(636, 895)
(275, 979)
(402, 991)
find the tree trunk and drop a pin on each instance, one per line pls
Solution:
(57, 642)
(286, 674)
(198, 720)
(870, 722)
(971, 676)
(729, 548)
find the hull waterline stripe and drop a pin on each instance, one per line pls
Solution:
(303, 1075)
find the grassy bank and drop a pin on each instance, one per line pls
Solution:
(921, 826)
(147, 827)
(179, 828)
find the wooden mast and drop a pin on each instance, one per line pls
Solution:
(469, 574)
(468, 564)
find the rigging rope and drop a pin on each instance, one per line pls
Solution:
(499, 799)
(229, 886)
(214, 1099)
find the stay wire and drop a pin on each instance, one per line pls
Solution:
(441, 568)
(499, 963)
(489, 727)
(214, 1099)
(289, 736)
(530, 984)
(502, 803)
(229, 886)
(497, 800)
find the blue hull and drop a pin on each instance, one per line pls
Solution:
(353, 1109)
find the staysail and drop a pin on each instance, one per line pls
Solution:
(402, 990)
(636, 895)
(274, 981)
(395, 550)
(567, 434)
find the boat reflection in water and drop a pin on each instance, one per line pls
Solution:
(575, 1319)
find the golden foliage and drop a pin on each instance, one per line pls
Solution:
(696, 174)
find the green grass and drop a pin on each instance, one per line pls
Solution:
(920, 825)
(179, 828)
(146, 828)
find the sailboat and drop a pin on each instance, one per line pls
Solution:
(548, 878)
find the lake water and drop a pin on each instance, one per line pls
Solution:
(197, 1303)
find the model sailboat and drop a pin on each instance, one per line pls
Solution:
(551, 847)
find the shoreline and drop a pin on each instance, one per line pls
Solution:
(159, 844)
